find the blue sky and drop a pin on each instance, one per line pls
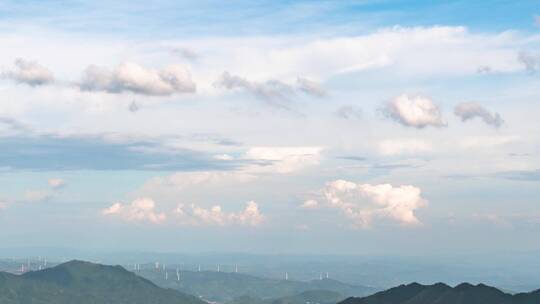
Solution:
(389, 125)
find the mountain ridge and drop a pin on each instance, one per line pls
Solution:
(440, 293)
(85, 283)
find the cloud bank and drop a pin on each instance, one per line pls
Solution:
(144, 210)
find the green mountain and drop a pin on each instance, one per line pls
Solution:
(306, 297)
(226, 286)
(443, 294)
(85, 283)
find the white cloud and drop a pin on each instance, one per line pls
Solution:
(364, 203)
(141, 209)
(414, 111)
(403, 147)
(276, 92)
(271, 90)
(282, 159)
(57, 183)
(29, 72)
(469, 110)
(131, 77)
(310, 204)
(195, 215)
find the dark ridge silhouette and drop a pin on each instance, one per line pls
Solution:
(441, 293)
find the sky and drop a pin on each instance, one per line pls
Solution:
(350, 127)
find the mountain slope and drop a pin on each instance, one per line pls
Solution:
(85, 283)
(443, 294)
(226, 286)
(310, 296)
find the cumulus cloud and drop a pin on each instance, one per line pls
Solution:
(403, 147)
(57, 183)
(469, 110)
(414, 111)
(141, 209)
(29, 72)
(531, 62)
(195, 215)
(131, 77)
(349, 112)
(364, 203)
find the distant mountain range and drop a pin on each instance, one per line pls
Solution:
(443, 294)
(85, 283)
(228, 286)
(306, 297)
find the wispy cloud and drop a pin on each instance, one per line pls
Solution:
(275, 92)
(469, 110)
(349, 112)
(520, 175)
